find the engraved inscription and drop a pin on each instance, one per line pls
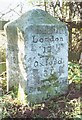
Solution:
(46, 50)
(47, 56)
(46, 39)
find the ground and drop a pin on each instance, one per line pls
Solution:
(65, 106)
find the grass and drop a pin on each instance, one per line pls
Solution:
(64, 106)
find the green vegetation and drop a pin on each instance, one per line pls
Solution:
(64, 106)
(2, 60)
(74, 72)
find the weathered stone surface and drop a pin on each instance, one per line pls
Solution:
(37, 55)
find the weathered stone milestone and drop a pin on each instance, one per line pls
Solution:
(37, 50)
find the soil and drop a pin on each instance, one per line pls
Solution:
(56, 108)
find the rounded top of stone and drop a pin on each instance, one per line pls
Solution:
(38, 16)
(35, 17)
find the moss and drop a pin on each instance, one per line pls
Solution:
(53, 77)
(50, 84)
